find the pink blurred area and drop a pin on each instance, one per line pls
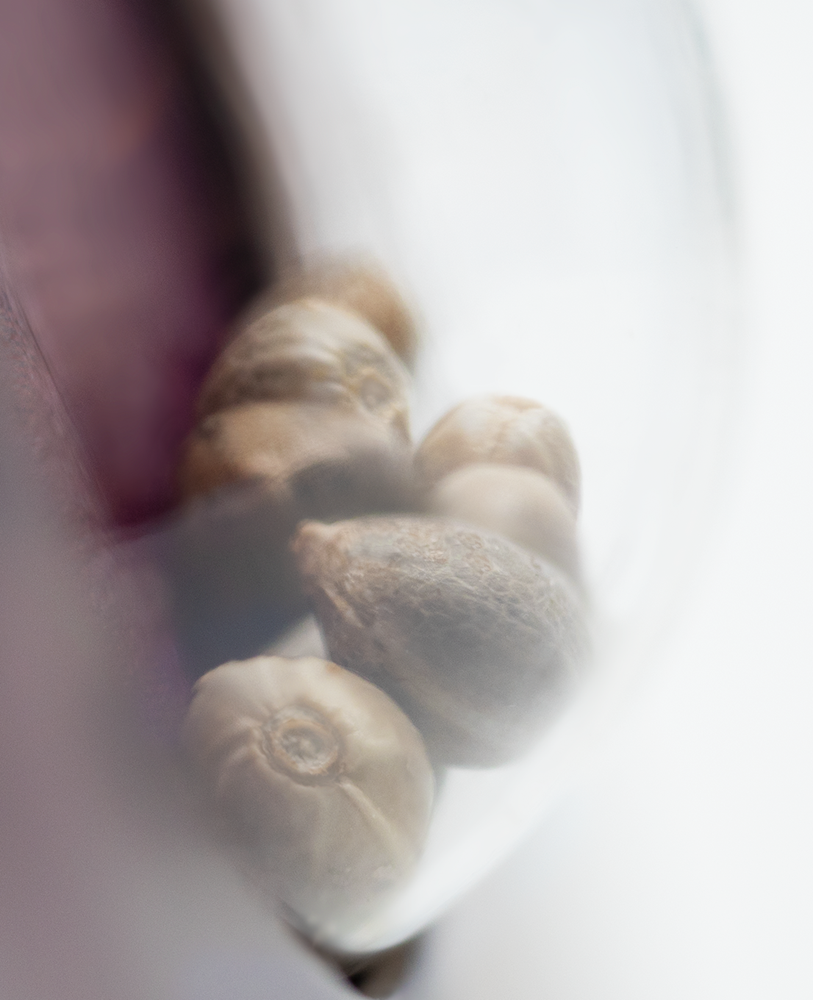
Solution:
(126, 238)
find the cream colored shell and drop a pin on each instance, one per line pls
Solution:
(315, 352)
(362, 287)
(521, 504)
(314, 462)
(504, 430)
(320, 780)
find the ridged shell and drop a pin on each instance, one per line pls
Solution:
(505, 430)
(321, 782)
(361, 287)
(315, 461)
(315, 352)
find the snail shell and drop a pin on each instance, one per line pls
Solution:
(251, 474)
(315, 352)
(361, 287)
(477, 639)
(313, 462)
(504, 430)
(320, 780)
(520, 504)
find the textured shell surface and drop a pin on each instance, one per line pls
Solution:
(475, 637)
(311, 350)
(505, 430)
(320, 780)
(316, 462)
(361, 286)
(521, 504)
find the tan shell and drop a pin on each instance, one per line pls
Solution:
(504, 430)
(477, 639)
(320, 780)
(314, 461)
(311, 351)
(523, 505)
(362, 287)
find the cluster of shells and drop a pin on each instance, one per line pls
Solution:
(443, 579)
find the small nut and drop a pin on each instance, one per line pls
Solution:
(502, 430)
(320, 780)
(311, 351)
(476, 639)
(364, 288)
(312, 462)
(523, 505)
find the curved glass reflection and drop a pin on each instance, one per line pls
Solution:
(547, 181)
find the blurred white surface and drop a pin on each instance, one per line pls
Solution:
(682, 867)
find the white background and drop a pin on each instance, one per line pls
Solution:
(683, 867)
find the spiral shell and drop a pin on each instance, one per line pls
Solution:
(311, 351)
(314, 462)
(361, 287)
(319, 779)
(504, 430)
